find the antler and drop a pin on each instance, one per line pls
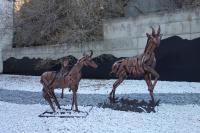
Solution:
(153, 31)
(91, 53)
(84, 53)
(158, 32)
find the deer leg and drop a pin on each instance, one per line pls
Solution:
(56, 101)
(72, 100)
(76, 105)
(116, 84)
(62, 95)
(147, 78)
(156, 75)
(152, 72)
(48, 99)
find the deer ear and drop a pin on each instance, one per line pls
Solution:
(148, 35)
(153, 31)
(158, 31)
(91, 53)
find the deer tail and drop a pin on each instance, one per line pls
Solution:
(47, 83)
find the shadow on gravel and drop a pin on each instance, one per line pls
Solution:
(131, 105)
(27, 97)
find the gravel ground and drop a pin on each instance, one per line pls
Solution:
(21, 102)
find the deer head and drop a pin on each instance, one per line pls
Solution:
(155, 37)
(87, 60)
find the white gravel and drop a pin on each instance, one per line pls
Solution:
(169, 118)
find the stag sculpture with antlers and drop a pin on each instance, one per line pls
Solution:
(71, 81)
(137, 66)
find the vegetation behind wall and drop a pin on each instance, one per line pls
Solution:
(48, 22)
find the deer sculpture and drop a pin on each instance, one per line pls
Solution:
(70, 80)
(58, 75)
(137, 66)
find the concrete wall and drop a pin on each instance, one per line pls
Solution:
(122, 37)
(183, 23)
(138, 7)
(6, 27)
(117, 47)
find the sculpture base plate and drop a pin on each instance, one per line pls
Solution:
(67, 113)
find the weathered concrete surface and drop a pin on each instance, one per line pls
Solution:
(118, 47)
(183, 23)
(6, 30)
(137, 7)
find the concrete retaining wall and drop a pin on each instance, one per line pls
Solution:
(6, 27)
(117, 47)
(122, 37)
(183, 23)
(138, 7)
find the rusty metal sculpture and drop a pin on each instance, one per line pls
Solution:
(59, 75)
(71, 81)
(137, 66)
(65, 68)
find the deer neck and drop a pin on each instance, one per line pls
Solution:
(149, 50)
(148, 53)
(79, 66)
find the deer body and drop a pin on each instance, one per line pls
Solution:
(57, 76)
(137, 66)
(132, 65)
(70, 80)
